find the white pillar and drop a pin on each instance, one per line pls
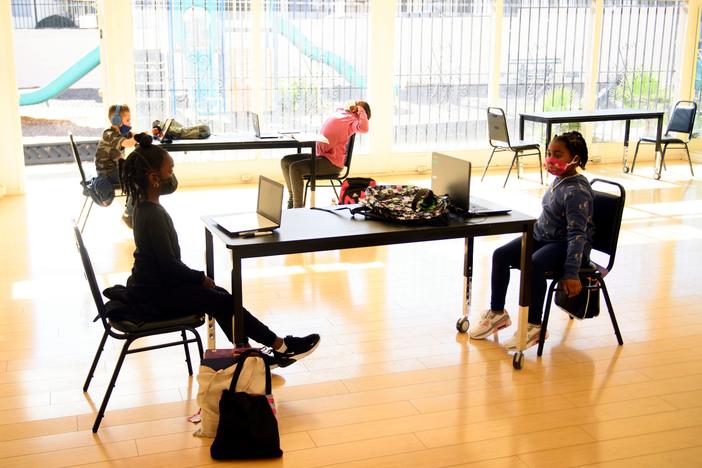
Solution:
(689, 51)
(494, 83)
(381, 75)
(12, 154)
(117, 55)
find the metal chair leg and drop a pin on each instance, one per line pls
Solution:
(113, 380)
(101, 347)
(541, 168)
(304, 197)
(85, 220)
(633, 161)
(510, 170)
(544, 321)
(488, 164)
(689, 160)
(187, 352)
(611, 312)
(199, 344)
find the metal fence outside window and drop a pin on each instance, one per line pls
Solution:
(442, 63)
(33, 14)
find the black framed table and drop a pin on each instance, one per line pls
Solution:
(234, 142)
(599, 115)
(338, 230)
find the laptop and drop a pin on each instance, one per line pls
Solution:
(269, 210)
(257, 128)
(164, 130)
(451, 176)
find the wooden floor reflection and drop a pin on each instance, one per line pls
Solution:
(392, 383)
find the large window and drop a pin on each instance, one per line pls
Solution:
(442, 62)
(698, 78)
(214, 61)
(638, 62)
(544, 57)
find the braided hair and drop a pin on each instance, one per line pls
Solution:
(144, 159)
(576, 145)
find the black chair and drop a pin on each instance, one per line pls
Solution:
(88, 201)
(333, 179)
(130, 331)
(607, 218)
(500, 141)
(682, 120)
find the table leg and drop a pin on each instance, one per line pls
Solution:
(524, 294)
(238, 331)
(625, 158)
(463, 323)
(658, 163)
(209, 271)
(548, 136)
(313, 176)
(521, 127)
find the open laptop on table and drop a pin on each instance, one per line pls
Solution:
(257, 128)
(164, 131)
(269, 210)
(451, 176)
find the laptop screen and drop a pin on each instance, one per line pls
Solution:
(256, 124)
(270, 200)
(166, 127)
(451, 176)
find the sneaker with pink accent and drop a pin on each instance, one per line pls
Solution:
(532, 338)
(490, 322)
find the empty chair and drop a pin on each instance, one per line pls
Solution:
(500, 141)
(607, 218)
(129, 331)
(333, 179)
(682, 120)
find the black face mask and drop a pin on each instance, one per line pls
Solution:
(168, 186)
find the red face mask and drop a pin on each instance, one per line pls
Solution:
(555, 166)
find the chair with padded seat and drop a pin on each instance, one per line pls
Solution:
(499, 140)
(86, 183)
(333, 179)
(608, 210)
(129, 331)
(682, 120)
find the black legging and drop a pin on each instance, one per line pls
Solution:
(195, 299)
(547, 256)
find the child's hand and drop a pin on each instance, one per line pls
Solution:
(572, 287)
(208, 283)
(128, 142)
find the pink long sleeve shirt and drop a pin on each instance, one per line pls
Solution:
(338, 129)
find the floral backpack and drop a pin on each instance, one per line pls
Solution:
(406, 204)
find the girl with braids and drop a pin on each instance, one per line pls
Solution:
(162, 281)
(562, 240)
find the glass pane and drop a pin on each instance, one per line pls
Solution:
(442, 63)
(543, 59)
(637, 61)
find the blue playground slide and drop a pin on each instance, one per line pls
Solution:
(64, 81)
(306, 47)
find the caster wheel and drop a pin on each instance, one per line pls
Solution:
(517, 360)
(625, 169)
(462, 325)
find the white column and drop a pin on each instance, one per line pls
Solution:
(593, 56)
(117, 55)
(381, 75)
(689, 51)
(494, 83)
(12, 154)
(258, 56)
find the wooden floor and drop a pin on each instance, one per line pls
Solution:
(392, 383)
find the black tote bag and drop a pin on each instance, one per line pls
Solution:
(583, 306)
(247, 426)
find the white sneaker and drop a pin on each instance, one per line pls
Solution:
(532, 338)
(490, 322)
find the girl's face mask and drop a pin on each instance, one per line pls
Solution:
(557, 166)
(169, 185)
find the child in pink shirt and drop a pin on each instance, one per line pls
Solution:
(338, 128)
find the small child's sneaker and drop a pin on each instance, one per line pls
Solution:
(533, 332)
(490, 322)
(296, 349)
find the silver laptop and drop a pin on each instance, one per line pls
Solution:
(269, 210)
(451, 176)
(257, 128)
(166, 128)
